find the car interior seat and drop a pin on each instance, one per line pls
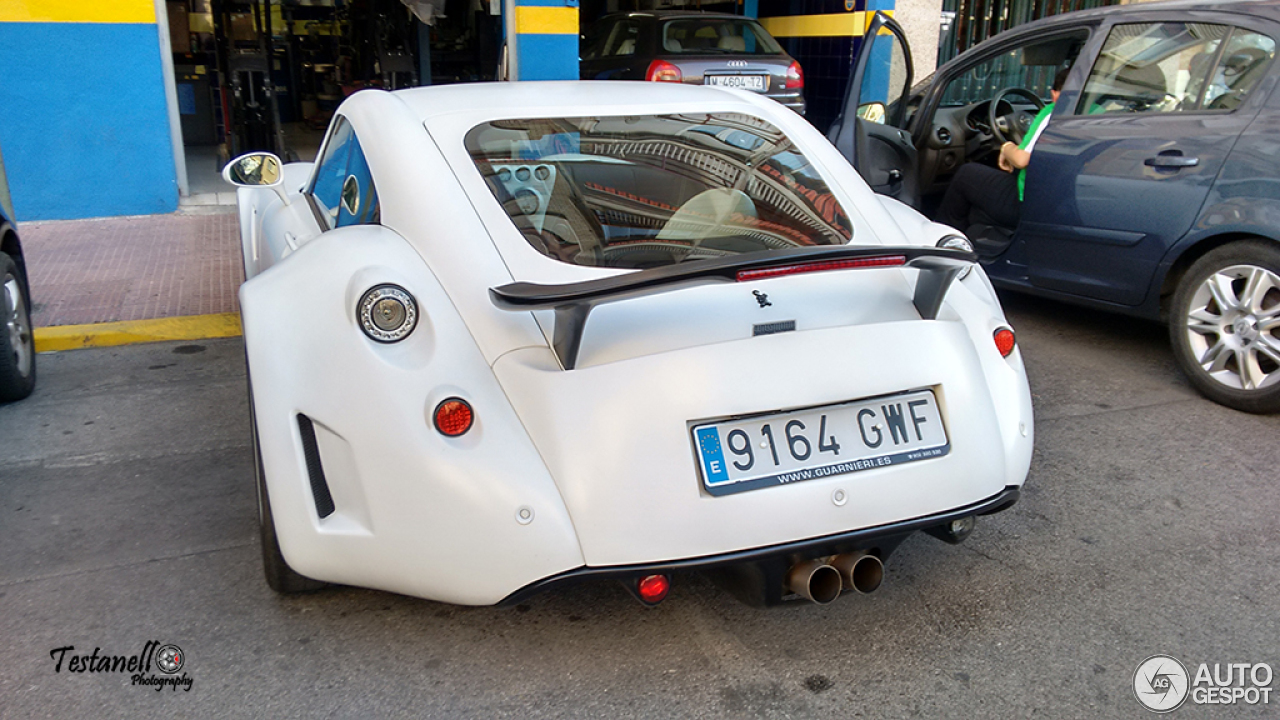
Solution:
(1241, 71)
(627, 47)
(710, 213)
(1144, 85)
(702, 38)
(575, 228)
(1199, 72)
(1130, 87)
(732, 43)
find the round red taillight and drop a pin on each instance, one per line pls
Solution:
(453, 417)
(663, 71)
(795, 77)
(1005, 341)
(653, 588)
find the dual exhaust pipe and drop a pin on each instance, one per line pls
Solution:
(822, 580)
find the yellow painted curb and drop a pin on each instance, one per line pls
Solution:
(191, 327)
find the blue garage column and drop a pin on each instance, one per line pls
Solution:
(84, 118)
(547, 39)
(880, 64)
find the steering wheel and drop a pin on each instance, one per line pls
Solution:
(1013, 125)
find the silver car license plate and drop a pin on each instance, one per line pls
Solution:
(746, 82)
(783, 448)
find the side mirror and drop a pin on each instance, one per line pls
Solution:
(872, 112)
(260, 169)
(253, 170)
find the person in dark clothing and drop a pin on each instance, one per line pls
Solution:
(981, 194)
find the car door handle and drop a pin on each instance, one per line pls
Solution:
(1171, 161)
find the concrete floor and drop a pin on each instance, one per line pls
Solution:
(1147, 526)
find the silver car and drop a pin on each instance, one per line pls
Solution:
(692, 47)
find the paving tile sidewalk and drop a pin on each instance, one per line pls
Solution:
(133, 268)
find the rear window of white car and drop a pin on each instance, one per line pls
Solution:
(652, 190)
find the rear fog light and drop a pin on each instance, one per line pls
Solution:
(1005, 341)
(652, 589)
(453, 417)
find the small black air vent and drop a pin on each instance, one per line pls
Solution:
(774, 327)
(311, 451)
(944, 136)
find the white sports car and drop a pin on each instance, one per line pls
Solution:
(503, 337)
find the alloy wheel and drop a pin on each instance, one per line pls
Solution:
(1231, 327)
(17, 324)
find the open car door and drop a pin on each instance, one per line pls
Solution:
(869, 131)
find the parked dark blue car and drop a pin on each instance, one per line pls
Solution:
(17, 350)
(1154, 190)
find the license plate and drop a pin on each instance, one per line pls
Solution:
(746, 82)
(784, 448)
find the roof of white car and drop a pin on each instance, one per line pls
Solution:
(537, 97)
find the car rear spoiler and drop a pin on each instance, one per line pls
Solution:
(573, 301)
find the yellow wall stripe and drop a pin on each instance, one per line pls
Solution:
(848, 24)
(532, 20)
(192, 327)
(78, 11)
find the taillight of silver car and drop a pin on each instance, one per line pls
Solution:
(795, 77)
(663, 71)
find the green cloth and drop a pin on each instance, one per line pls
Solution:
(1042, 117)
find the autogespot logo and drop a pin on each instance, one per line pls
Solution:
(1161, 683)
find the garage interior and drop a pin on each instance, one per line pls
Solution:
(258, 75)
(316, 52)
(268, 74)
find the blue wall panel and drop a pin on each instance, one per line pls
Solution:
(548, 57)
(83, 120)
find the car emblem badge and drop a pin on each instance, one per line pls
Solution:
(737, 63)
(1245, 329)
(761, 298)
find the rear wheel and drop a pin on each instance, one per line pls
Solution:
(280, 577)
(1225, 325)
(17, 347)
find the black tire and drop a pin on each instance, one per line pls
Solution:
(1227, 353)
(17, 345)
(280, 577)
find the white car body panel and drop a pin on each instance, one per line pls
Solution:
(635, 495)
(423, 514)
(271, 230)
(601, 455)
